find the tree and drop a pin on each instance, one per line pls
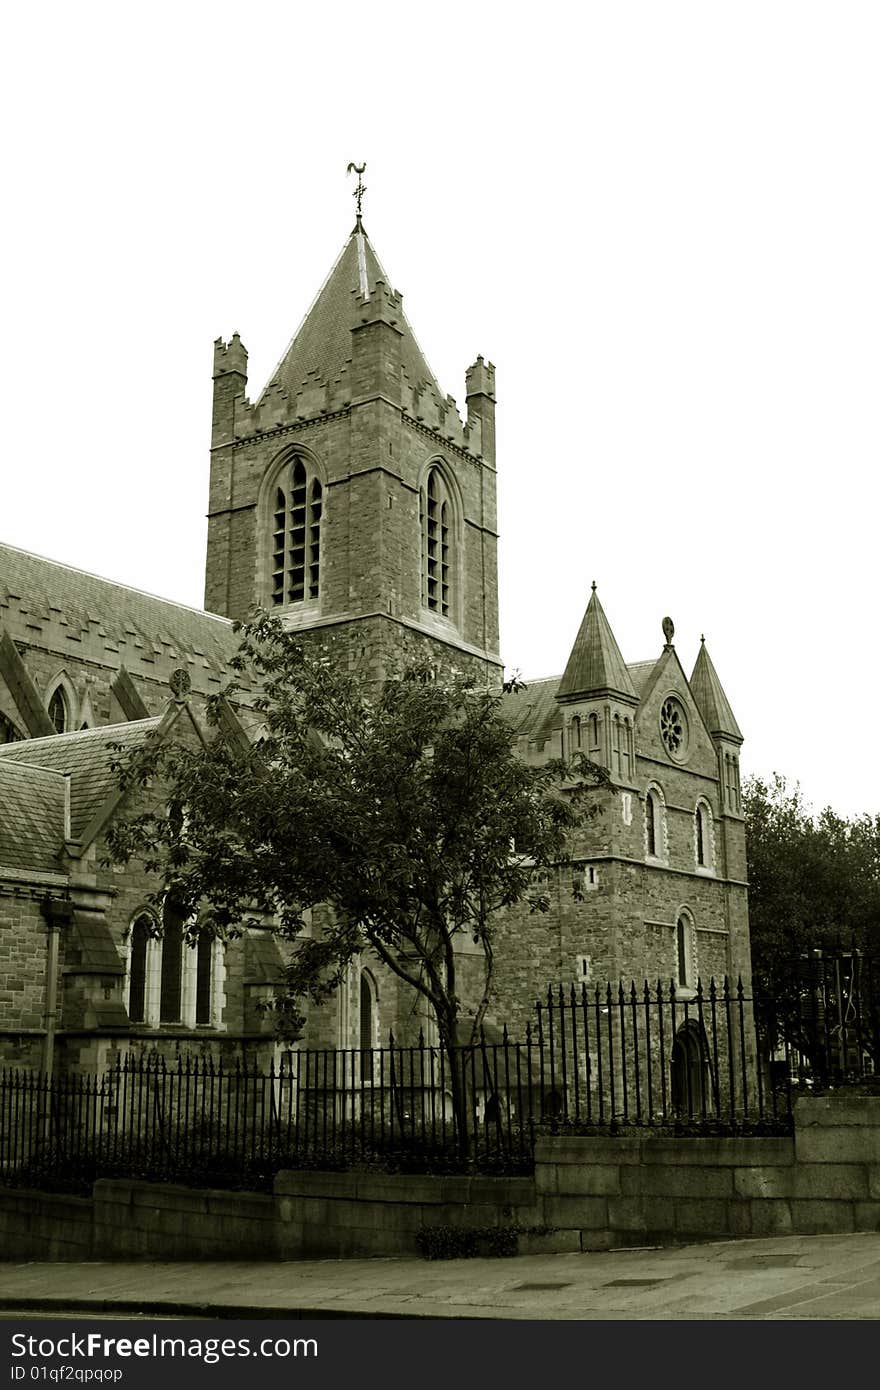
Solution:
(814, 884)
(403, 807)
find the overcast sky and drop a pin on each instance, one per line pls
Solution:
(660, 221)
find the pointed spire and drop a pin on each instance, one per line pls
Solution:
(710, 698)
(595, 665)
(321, 347)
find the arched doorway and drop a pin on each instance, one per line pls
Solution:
(692, 1092)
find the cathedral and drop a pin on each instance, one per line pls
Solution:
(354, 500)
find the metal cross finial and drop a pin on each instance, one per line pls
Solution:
(361, 186)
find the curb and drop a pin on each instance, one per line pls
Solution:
(153, 1308)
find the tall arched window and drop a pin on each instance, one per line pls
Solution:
(437, 544)
(171, 978)
(685, 952)
(367, 1013)
(593, 725)
(732, 782)
(58, 712)
(141, 934)
(653, 825)
(204, 976)
(703, 837)
(296, 534)
(622, 746)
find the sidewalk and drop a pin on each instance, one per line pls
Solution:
(783, 1277)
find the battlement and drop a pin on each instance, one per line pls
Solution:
(480, 379)
(381, 304)
(230, 357)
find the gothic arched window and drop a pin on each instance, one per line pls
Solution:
(58, 710)
(575, 735)
(204, 976)
(296, 534)
(622, 746)
(171, 976)
(685, 963)
(732, 782)
(141, 935)
(367, 1011)
(703, 838)
(437, 544)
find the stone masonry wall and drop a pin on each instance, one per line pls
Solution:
(587, 1194)
(633, 1190)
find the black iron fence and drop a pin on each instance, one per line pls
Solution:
(824, 1018)
(399, 1107)
(709, 1060)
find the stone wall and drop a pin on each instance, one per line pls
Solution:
(651, 1189)
(588, 1194)
(348, 1214)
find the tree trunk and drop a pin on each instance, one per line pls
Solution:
(457, 1064)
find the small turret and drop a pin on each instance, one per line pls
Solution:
(230, 357)
(599, 697)
(480, 396)
(596, 666)
(230, 381)
(711, 700)
(718, 717)
(376, 337)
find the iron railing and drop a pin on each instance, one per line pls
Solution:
(825, 1017)
(195, 1120)
(708, 1060)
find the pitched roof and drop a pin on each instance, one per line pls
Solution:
(322, 343)
(532, 710)
(85, 602)
(31, 816)
(595, 663)
(640, 673)
(87, 756)
(710, 698)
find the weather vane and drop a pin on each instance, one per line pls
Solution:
(361, 187)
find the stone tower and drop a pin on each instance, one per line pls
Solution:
(350, 498)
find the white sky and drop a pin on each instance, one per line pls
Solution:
(660, 221)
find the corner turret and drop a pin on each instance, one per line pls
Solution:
(718, 717)
(480, 397)
(230, 382)
(599, 697)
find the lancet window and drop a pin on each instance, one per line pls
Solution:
(437, 543)
(296, 535)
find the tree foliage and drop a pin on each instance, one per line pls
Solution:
(403, 807)
(814, 881)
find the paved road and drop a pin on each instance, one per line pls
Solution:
(788, 1277)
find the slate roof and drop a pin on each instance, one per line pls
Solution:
(640, 673)
(710, 698)
(533, 711)
(87, 757)
(86, 603)
(322, 343)
(31, 816)
(595, 663)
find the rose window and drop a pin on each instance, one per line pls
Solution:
(673, 728)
